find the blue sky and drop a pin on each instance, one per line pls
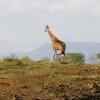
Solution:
(22, 22)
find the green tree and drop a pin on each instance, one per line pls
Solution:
(76, 58)
(12, 60)
(26, 60)
(98, 56)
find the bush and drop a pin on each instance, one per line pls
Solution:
(12, 60)
(98, 56)
(76, 58)
(26, 60)
(45, 59)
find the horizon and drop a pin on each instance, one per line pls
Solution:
(22, 22)
(32, 50)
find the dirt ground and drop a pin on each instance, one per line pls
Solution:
(56, 82)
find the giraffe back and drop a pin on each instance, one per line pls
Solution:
(59, 45)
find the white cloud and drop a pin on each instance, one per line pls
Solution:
(43, 7)
(76, 8)
(35, 4)
(57, 7)
(96, 9)
(24, 20)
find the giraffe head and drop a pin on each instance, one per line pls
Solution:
(46, 28)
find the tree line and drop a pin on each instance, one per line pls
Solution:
(71, 58)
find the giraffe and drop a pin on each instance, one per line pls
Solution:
(57, 45)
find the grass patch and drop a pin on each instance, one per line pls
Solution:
(66, 77)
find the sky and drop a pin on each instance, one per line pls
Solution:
(22, 22)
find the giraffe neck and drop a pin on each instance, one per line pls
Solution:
(52, 37)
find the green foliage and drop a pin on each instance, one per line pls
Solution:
(11, 60)
(45, 59)
(98, 55)
(26, 60)
(76, 58)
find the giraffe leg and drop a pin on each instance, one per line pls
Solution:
(62, 56)
(54, 56)
(57, 56)
(65, 58)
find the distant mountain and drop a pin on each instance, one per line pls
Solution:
(88, 49)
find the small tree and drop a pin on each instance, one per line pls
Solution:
(46, 59)
(76, 58)
(98, 56)
(26, 60)
(12, 60)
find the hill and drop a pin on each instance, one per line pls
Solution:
(88, 49)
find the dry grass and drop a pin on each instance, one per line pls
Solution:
(38, 79)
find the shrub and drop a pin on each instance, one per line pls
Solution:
(98, 55)
(76, 58)
(45, 59)
(26, 60)
(12, 60)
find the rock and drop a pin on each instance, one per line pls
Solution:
(15, 97)
(93, 85)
